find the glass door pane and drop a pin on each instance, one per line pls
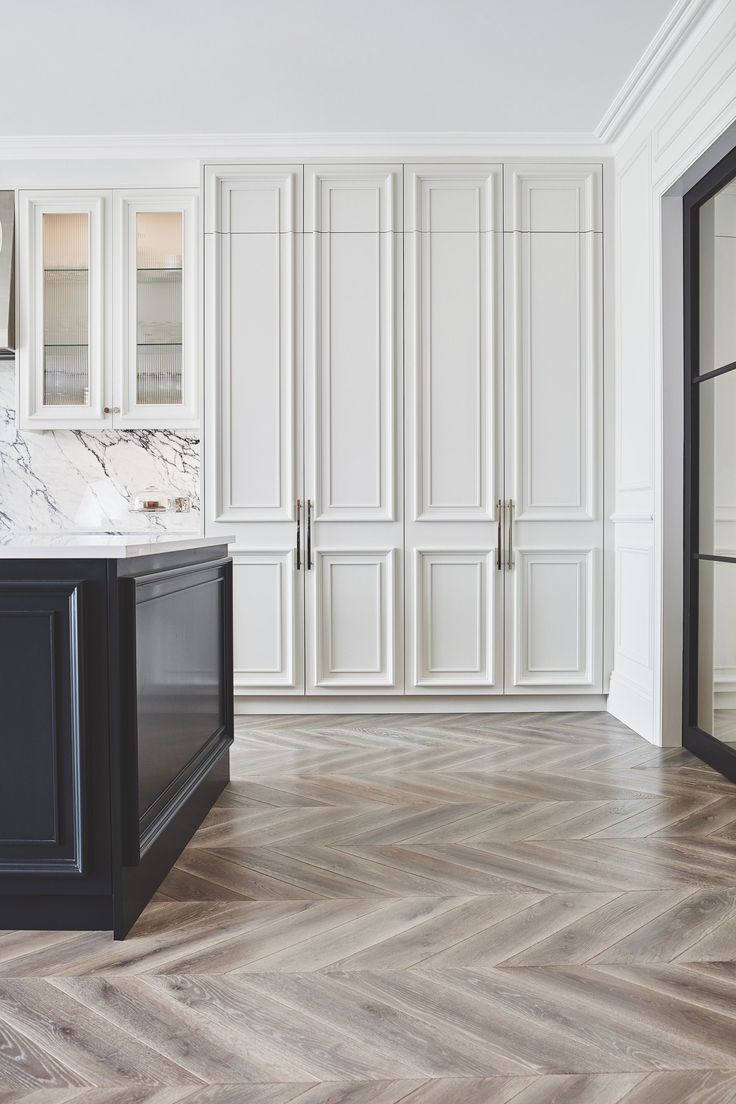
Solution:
(717, 466)
(716, 697)
(159, 248)
(66, 309)
(709, 726)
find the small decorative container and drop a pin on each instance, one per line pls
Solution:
(152, 500)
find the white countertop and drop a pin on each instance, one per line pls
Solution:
(100, 546)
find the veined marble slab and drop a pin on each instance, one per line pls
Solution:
(97, 546)
(84, 479)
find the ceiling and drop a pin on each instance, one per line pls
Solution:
(263, 66)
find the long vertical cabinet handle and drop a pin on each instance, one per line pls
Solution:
(309, 535)
(499, 547)
(510, 560)
(298, 534)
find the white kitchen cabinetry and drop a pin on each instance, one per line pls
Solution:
(307, 449)
(108, 310)
(253, 291)
(417, 491)
(454, 427)
(64, 349)
(353, 428)
(156, 298)
(553, 419)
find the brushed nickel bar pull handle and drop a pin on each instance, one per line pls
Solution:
(309, 534)
(298, 534)
(510, 561)
(499, 548)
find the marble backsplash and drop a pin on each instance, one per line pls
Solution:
(84, 479)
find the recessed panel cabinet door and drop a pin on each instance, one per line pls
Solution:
(454, 420)
(353, 428)
(554, 522)
(253, 252)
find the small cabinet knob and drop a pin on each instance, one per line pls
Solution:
(111, 409)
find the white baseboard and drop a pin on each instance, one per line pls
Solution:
(293, 706)
(631, 705)
(724, 688)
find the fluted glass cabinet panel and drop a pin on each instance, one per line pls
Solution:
(64, 352)
(65, 308)
(157, 356)
(159, 307)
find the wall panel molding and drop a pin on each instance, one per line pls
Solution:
(633, 628)
(634, 373)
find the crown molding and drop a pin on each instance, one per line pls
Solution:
(677, 28)
(209, 147)
(675, 31)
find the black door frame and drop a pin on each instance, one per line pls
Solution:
(695, 739)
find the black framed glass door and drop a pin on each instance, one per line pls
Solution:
(709, 672)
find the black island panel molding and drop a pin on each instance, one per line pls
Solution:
(41, 783)
(116, 699)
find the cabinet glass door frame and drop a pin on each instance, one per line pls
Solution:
(129, 412)
(694, 737)
(34, 413)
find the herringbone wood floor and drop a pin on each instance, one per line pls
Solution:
(433, 910)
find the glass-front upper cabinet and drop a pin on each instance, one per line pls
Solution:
(63, 310)
(156, 309)
(108, 310)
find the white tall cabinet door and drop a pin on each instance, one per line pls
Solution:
(353, 429)
(454, 428)
(554, 489)
(253, 292)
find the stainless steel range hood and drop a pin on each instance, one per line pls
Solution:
(7, 268)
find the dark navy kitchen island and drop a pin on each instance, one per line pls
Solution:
(116, 718)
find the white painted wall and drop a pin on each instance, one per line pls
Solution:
(665, 149)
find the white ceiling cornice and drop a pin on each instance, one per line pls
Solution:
(679, 25)
(209, 147)
(682, 22)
